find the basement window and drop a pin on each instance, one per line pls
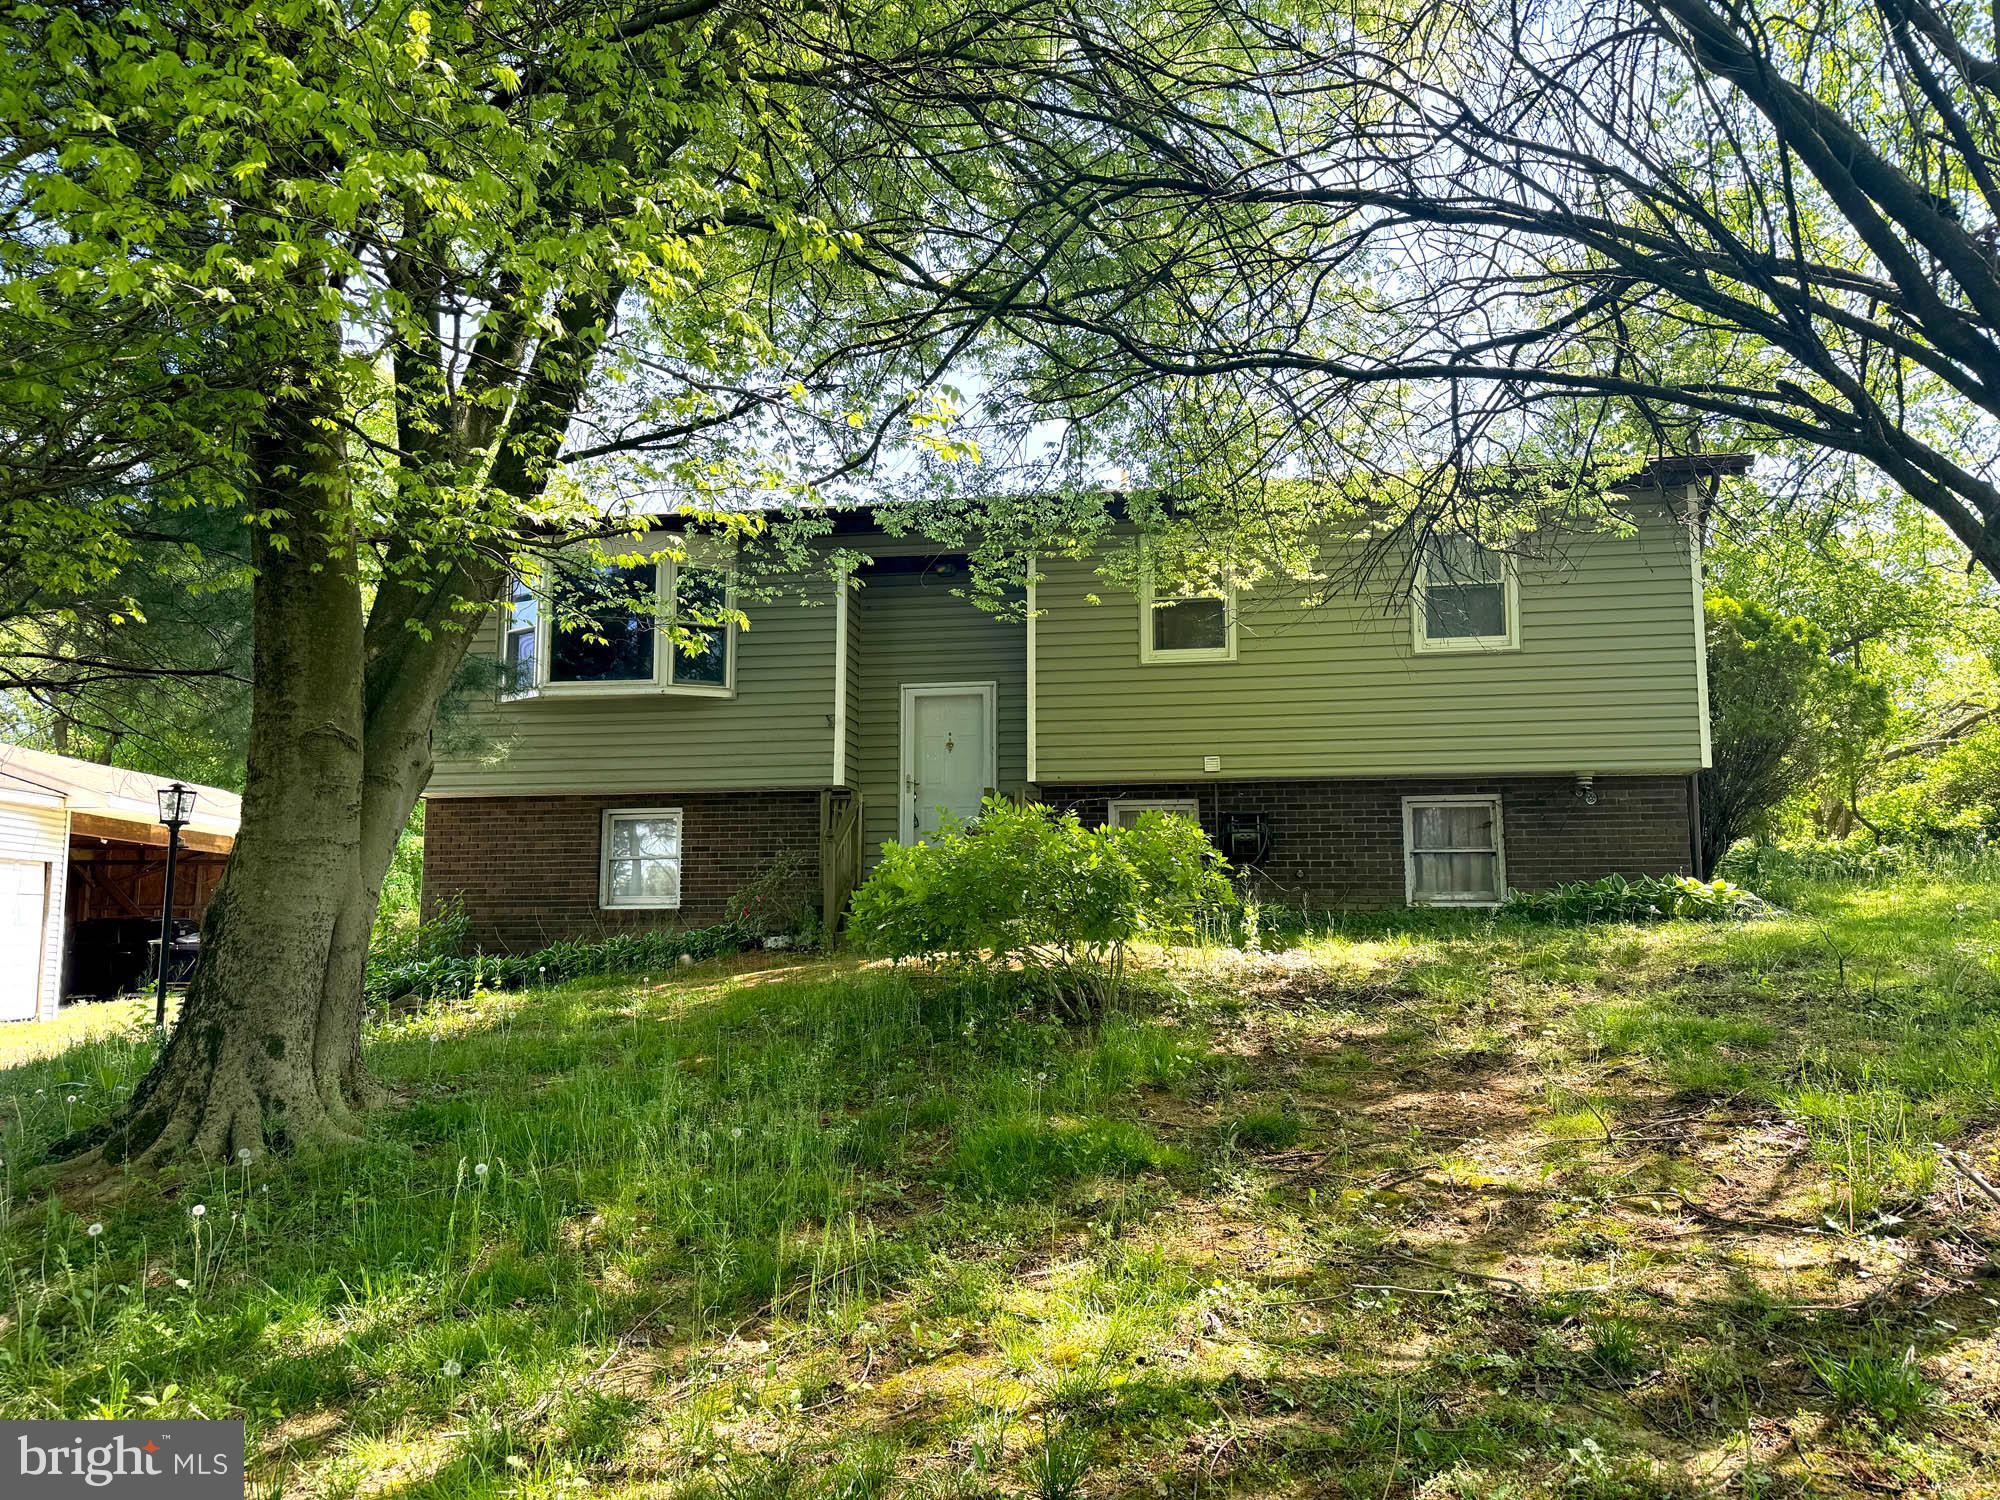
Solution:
(640, 859)
(1452, 853)
(1124, 812)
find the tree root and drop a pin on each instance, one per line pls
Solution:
(226, 1103)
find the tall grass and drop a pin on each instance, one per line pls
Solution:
(813, 1230)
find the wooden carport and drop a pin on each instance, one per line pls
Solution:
(82, 842)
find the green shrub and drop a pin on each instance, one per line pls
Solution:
(780, 896)
(1779, 869)
(1030, 887)
(442, 936)
(1646, 898)
(399, 928)
(1813, 861)
(451, 976)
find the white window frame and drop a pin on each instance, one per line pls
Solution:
(1410, 806)
(611, 815)
(508, 630)
(1151, 655)
(670, 580)
(1510, 597)
(666, 655)
(1187, 807)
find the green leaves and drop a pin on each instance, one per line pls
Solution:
(1644, 898)
(1032, 887)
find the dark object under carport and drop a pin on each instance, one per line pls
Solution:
(116, 955)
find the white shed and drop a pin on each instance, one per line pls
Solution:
(58, 815)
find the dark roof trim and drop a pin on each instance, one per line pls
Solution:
(1663, 471)
(1679, 468)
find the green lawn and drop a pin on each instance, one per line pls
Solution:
(1435, 1208)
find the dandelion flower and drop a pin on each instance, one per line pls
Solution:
(95, 1230)
(197, 1211)
(451, 1369)
(243, 1153)
(480, 1170)
(69, 1098)
(736, 1134)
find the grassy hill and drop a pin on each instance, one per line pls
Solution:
(1425, 1206)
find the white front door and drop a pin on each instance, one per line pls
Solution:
(24, 899)
(948, 753)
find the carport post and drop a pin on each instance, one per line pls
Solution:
(176, 807)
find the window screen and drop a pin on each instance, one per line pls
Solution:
(1465, 592)
(1190, 625)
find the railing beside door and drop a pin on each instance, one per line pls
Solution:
(839, 853)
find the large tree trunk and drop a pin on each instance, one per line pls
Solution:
(417, 641)
(249, 1065)
(268, 1050)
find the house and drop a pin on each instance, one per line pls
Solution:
(80, 842)
(1510, 724)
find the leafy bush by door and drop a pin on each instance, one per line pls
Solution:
(1032, 888)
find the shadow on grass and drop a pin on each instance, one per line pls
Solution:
(1459, 1208)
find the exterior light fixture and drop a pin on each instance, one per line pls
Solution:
(176, 812)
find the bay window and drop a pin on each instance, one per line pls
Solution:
(597, 629)
(520, 632)
(606, 625)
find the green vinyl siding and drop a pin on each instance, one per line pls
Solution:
(1607, 678)
(912, 629)
(776, 731)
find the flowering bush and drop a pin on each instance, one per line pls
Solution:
(1032, 888)
(780, 896)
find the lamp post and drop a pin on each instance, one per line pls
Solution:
(176, 810)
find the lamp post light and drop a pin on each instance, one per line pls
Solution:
(176, 811)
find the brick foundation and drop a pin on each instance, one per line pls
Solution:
(1340, 843)
(526, 868)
